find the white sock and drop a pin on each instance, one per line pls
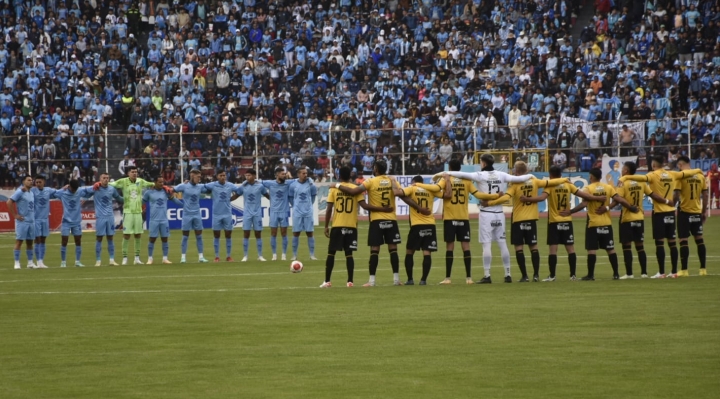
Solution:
(164, 257)
(505, 254)
(200, 256)
(487, 257)
(396, 276)
(372, 279)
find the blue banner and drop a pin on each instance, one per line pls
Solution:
(703, 164)
(175, 214)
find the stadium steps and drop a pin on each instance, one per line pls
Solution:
(116, 149)
(585, 15)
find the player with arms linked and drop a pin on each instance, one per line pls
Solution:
(693, 195)
(72, 218)
(42, 218)
(302, 196)
(253, 191)
(105, 217)
(342, 209)
(191, 217)
(24, 216)
(223, 194)
(158, 225)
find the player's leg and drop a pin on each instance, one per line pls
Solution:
(40, 251)
(373, 264)
(216, 243)
(674, 256)
(151, 248)
(164, 234)
(17, 249)
(110, 235)
(642, 257)
(77, 234)
(273, 237)
(535, 259)
(467, 259)
(702, 254)
(409, 264)
(98, 248)
(626, 240)
(126, 237)
(612, 256)
(684, 254)
(37, 248)
(309, 228)
(334, 235)
(591, 245)
(198, 227)
(246, 241)
(296, 230)
(426, 266)
(257, 223)
(394, 263)
(29, 251)
(283, 233)
(497, 234)
(65, 233)
(572, 260)
(228, 242)
(449, 238)
(184, 244)
(485, 238)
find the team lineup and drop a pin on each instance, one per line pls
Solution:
(684, 189)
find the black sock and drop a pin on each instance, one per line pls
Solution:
(628, 258)
(350, 263)
(684, 254)
(394, 262)
(409, 266)
(701, 252)
(373, 262)
(660, 254)
(448, 263)
(614, 263)
(591, 265)
(572, 259)
(535, 258)
(673, 256)
(642, 258)
(329, 264)
(552, 262)
(520, 256)
(427, 263)
(468, 263)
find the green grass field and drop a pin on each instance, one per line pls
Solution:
(256, 330)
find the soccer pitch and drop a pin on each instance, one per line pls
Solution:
(255, 330)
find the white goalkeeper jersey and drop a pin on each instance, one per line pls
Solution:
(491, 182)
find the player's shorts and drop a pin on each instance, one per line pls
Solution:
(689, 224)
(663, 224)
(161, 229)
(24, 230)
(491, 227)
(132, 223)
(343, 239)
(456, 230)
(67, 229)
(599, 238)
(423, 237)
(252, 223)
(303, 223)
(278, 220)
(560, 234)
(383, 232)
(42, 228)
(105, 226)
(632, 232)
(191, 222)
(524, 233)
(222, 223)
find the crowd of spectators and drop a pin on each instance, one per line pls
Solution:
(339, 82)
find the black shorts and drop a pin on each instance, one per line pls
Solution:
(343, 239)
(663, 224)
(632, 232)
(422, 237)
(560, 234)
(689, 224)
(524, 233)
(599, 238)
(456, 230)
(383, 232)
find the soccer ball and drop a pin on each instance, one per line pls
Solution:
(296, 266)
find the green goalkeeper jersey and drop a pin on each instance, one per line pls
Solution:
(132, 193)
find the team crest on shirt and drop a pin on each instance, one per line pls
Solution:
(384, 183)
(456, 180)
(665, 175)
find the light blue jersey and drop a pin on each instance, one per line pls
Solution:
(191, 219)
(222, 210)
(302, 196)
(42, 210)
(158, 223)
(72, 216)
(25, 203)
(104, 214)
(279, 202)
(252, 212)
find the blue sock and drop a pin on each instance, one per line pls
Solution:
(165, 249)
(284, 244)
(63, 253)
(259, 243)
(228, 246)
(216, 246)
(296, 242)
(111, 249)
(151, 248)
(183, 245)
(311, 245)
(98, 248)
(199, 241)
(246, 243)
(37, 252)
(78, 253)
(17, 255)
(42, 251)
(29, 253)
(273, 244)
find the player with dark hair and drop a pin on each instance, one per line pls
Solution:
(158, 225)
(192, 219)
(42, 218)
(693, 195)
(253, 191)
(105, 217)
(72, 218)
(342, 210)
(663, 218)
(302, 196)
(24, 216)
(223, 194)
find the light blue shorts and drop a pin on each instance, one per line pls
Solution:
(159, 228)
(68, 229)
(42, 228)
(24, 230)
(222, 223)
(278, 219)
(252, 223)
(192, 223)
(303, 223)
(105, 226)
